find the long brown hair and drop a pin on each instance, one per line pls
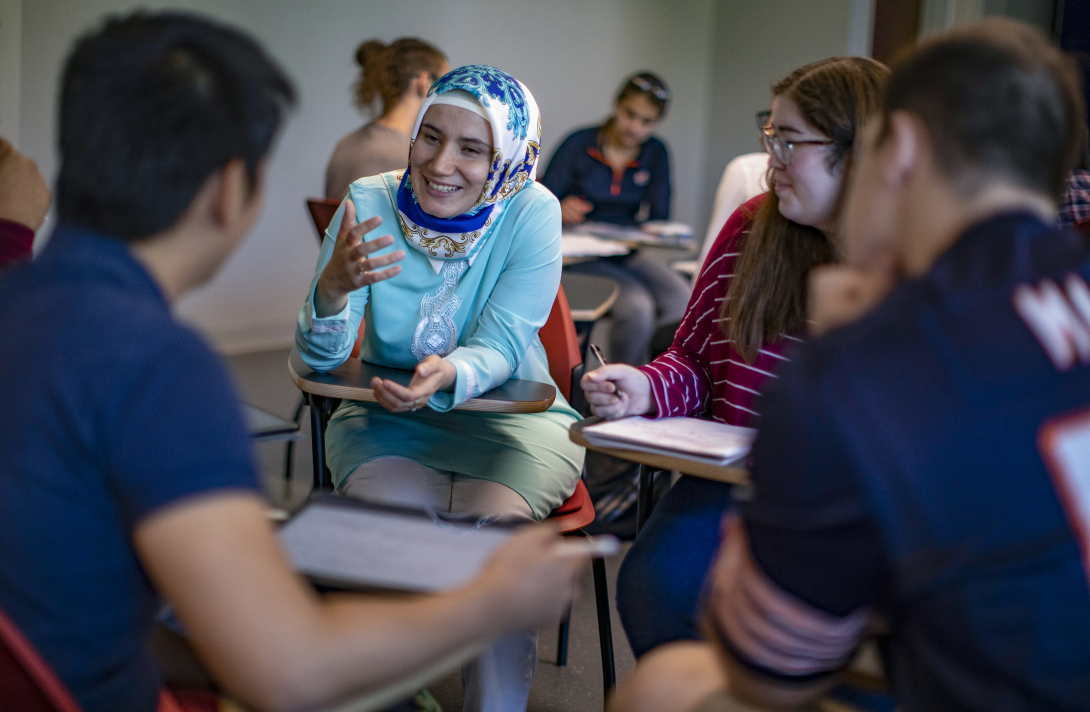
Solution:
(387, 69)
(767, 296)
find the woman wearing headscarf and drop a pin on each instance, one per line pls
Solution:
(457, 292)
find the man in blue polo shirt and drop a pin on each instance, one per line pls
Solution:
(924, 471)
(125, 469)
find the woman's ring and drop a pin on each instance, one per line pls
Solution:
(363, 270)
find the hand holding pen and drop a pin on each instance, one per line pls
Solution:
(616, 390)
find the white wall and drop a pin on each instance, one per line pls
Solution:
(572, 54)
(757, 43)
(11, 22)
(718, 56)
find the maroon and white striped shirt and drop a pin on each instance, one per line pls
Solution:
(701, 374)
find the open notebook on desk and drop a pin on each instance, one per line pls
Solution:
(696, 439)
(574, 244)
(345, 543)
(659, 232)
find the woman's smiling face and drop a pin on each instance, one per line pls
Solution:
(450, 160)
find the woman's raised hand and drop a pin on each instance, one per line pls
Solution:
(431, 375)
(617, 391)
(349, 267)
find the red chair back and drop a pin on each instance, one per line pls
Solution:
(577, 512)
(561, 344)
(27, 683)
(321, 212)
(562, 349)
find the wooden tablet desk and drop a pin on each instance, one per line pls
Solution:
(352, 380)
(652, 462)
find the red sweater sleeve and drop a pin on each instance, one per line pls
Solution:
(681, 380)
(16, 241)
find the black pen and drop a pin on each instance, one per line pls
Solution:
(598, 354)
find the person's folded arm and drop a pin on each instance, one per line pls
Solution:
(516, 309)
(325, 342)
(801, 571)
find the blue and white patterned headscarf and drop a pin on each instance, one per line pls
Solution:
(513, 115)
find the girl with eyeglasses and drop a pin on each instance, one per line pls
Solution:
(748, 308)
(620, 173)
(398, 75)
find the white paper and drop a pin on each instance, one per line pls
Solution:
(578, 245)
(668, 228)
(375, 548)
(694, 438)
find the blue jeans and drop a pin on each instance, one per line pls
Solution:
(659, 585)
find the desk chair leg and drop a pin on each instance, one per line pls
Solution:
(317, 440)
(582, 337)
(645, 496)
(562, 641)
(605, 626)
(320, 410)
(289, 453)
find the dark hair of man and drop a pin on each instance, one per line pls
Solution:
(767, 295)
(387, 69)
(1000, 102)
(151, 106)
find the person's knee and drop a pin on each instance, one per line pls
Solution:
(399, 480)
(671, 678)
(634, 305)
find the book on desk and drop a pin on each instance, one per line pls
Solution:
(706, 441)
(347, 544)
(341, 542)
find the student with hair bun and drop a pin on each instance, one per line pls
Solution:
(399, 75)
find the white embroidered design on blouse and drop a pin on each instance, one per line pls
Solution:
(436, 333)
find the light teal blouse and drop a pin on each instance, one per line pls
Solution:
(503, 298)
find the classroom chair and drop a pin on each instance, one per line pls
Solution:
(27, 683)
(566, 368)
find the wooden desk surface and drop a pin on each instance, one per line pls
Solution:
(589, 297)
(720, 473)
(352, 380)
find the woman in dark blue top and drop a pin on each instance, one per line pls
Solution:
(619, 173)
